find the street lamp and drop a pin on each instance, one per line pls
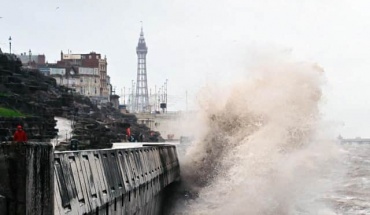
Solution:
(10, 45)
(166, 93)
(30, 57)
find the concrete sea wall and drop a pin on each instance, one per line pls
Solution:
(26, 173)
(35, 180)
(117, 181)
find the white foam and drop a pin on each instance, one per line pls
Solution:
(64, 126)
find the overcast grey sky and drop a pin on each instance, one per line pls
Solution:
(191, 41)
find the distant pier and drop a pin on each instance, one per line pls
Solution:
(355, 140)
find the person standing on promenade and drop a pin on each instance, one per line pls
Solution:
(20, 135)
(128, 133)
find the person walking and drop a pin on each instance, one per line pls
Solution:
(20, 135)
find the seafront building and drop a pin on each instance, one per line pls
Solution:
(86, 74)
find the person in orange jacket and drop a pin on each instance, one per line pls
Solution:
(20, 135)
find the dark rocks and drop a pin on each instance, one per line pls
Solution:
(10, 62)
(37, 128)
(5, 135)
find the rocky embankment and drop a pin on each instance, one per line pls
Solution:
(37, 99)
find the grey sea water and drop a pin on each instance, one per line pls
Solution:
(351, 193)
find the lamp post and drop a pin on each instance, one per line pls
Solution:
(165, 95)
(10, 45)
(124, 95)
(129, 104)
(186, 96)
(29, 60)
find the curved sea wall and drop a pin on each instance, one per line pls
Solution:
(107, 181)
(117, 181)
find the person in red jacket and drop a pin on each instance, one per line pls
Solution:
(20, 135)
(128, 134)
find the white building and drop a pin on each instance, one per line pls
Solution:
(89, 81)
(85, 81)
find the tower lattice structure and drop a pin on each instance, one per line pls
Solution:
(141, 99)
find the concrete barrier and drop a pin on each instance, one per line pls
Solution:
(111, 181)
(115, 181)
(26, 173)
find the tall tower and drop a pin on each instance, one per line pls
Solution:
(141, 98)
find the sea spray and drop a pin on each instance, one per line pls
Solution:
(260, 152)
(64, 127)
